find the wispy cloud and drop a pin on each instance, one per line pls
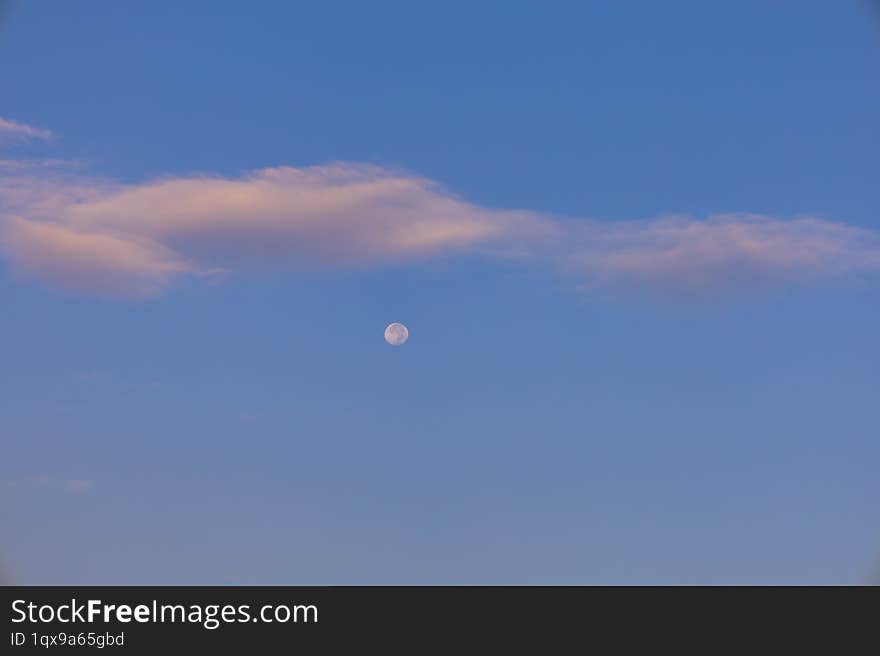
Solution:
(79, 484)
(98, 236)
(21, 130)
(721, 254)
(17, 165)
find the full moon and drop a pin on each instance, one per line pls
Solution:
(396, 334)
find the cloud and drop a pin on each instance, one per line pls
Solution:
(341, 213)
(14, 165)
(80, 485)
(134, 240)
(20, 130)
(722, 254)
(98, 236)
(90, 262)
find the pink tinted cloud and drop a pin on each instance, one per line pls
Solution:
(90, 262)
(341, 213)
(135, 240)
(721, 254)
(22, 131)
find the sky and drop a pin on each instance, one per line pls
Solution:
(636, 246)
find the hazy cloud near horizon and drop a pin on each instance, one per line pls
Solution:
(100, 237)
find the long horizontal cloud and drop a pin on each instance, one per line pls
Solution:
(724, 253)
(135, 240)
(96, 236)
(20, 130)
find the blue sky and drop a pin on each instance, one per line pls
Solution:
(636, 249)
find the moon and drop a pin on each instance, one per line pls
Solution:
(396, 334)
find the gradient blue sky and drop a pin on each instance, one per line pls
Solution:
(256, 429)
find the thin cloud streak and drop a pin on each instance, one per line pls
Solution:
(100, 237)
(80, 484)
(21, 130)
(722, 254)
